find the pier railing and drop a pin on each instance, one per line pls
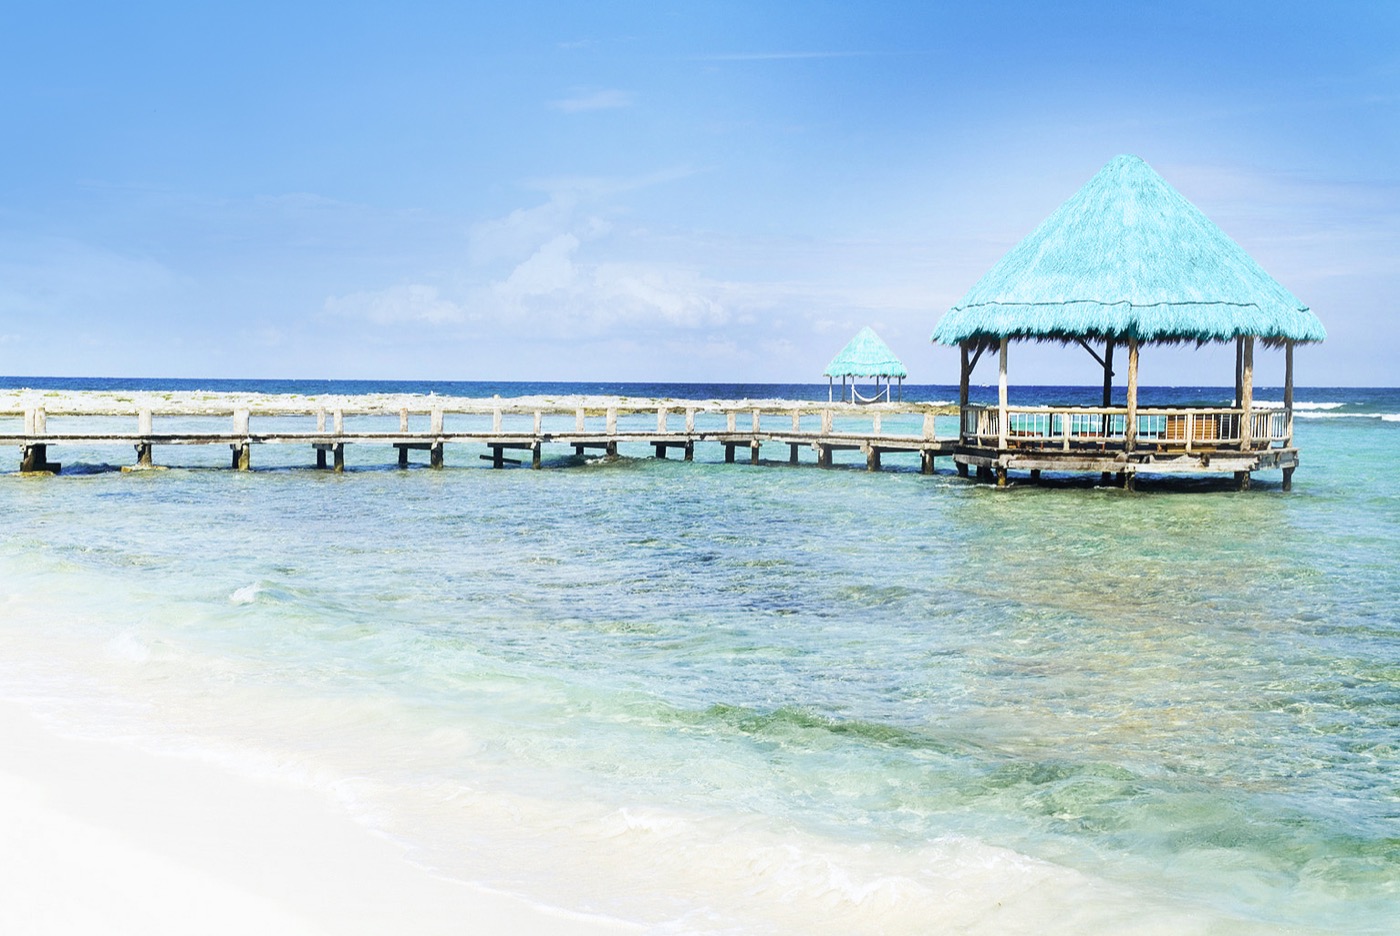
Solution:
(1071, 428)
(500, 426)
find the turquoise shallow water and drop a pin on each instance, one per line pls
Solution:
(716, 697)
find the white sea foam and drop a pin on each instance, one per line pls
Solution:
(246, 595)
(1312, 406)
(1383, 417)
(129, 647)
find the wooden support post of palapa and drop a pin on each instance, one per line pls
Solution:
(1130, 427)
(1001, 396)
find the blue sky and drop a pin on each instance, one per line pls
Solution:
(655, 190)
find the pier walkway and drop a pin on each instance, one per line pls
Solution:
(523, 431)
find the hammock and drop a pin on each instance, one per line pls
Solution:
(879, 392)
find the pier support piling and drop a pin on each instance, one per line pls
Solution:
(1288, 479)
(926, 462)
(35, 458)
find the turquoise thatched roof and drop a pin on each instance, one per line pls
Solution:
(866, 356)
(1128, 257)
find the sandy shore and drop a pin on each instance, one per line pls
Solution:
(99, 838)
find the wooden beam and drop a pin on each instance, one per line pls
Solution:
(976, 356)
(1092, 353)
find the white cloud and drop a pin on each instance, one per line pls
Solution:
(519, 233)
(410, 303)
(581, 100)
(62, 276)
(549, 269)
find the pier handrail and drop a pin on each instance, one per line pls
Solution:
(1066, 427)
(426, 419)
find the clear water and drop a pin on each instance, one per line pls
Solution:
(723, 698)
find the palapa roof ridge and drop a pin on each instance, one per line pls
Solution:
(1128, 256)
(866, 355)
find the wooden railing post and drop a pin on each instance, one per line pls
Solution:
(690, 419)
(661, 419)
(578, 419)
(612, 420)
(929, 430)
(496, 420)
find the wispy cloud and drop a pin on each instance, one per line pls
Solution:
(581, 100)
(414, 302)
(580, 187)
(779, 56)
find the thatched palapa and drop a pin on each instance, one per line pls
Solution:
(866, 355)
(1128, 260)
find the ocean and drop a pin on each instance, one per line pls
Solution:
(717, 698)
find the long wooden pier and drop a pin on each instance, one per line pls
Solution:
(501, 428)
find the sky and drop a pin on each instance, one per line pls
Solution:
(661, 191)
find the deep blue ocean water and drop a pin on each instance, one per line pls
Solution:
(724, 698)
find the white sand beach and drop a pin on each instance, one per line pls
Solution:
(96, 837)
